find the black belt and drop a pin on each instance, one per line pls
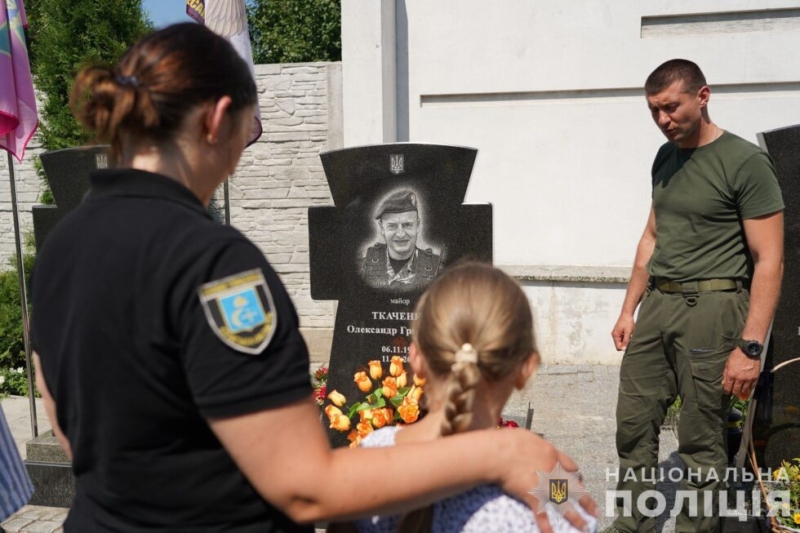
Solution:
(695, 287)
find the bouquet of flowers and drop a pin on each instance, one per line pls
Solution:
(319, 381)
(787, 477)
(391, 399)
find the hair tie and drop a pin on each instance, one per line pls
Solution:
(132, 81)
(467, 354)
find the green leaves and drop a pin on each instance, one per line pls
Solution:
(13, 379)
(67, 35)
(295, 31)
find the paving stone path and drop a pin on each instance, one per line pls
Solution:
(574, 409)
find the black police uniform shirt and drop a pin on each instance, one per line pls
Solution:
(150, 318)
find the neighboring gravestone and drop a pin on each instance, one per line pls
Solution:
(781, 439)
(390, 201)
(67, 172)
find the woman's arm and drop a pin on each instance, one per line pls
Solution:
(286, 456)
(50, 406)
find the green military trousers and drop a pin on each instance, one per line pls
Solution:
(680, 345)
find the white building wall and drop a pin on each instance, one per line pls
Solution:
(550, 94)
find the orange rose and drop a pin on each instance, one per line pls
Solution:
(363, 382)
(366, 414)
(419, 382)
(354, 438)
(402, 380)
(337, 398)
(396, 366)
(364, 428)
(375, 370)
(389, 387)
(409, 413)
(379, 418)
(332, 411)
(415, 393)
(340, 423)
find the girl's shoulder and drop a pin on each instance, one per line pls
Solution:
(488, 508)
(483, 508)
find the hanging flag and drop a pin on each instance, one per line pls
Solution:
(228, 18)
(18, 119)
(196, 10)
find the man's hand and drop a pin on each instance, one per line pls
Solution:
(622, 332)
(740, 375)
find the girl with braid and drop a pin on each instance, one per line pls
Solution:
(473, 342)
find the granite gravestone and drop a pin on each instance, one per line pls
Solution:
(398, 221)
(67, 173)
(781, 439)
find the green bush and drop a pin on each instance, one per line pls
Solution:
(295, 31)
(13, 378)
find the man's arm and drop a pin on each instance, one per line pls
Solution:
(765, 240)
(638, 284)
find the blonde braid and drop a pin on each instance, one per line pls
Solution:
(461, 391)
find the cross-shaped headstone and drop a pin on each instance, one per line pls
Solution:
(398, 221)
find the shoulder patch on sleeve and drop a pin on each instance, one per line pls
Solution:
(240, 311)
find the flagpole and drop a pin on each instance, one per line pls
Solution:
(23, 296)
(227, 200)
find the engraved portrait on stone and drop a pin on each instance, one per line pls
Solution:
(398, 261)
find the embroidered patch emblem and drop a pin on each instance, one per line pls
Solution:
(240, 311)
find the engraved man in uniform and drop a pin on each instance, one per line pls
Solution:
(397, 262)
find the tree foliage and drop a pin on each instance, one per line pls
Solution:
(295, 31)
(66, 35)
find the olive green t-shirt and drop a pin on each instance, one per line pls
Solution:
(700, 197)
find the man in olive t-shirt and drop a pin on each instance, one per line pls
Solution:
(707, 273)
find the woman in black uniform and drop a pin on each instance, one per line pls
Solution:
(167, 350)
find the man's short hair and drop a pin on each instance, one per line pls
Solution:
(675, 70)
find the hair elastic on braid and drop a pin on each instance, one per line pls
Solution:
(466, 354)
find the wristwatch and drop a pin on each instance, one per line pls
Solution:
(751, 349)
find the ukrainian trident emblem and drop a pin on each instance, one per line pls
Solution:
(559, 490)
(396, 164)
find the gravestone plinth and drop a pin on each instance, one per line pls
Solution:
(67, 172)
(781, 439)
(397, 223)
(50, 471)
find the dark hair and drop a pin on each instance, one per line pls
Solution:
(158, 81)
(675, 70)
(478, 308)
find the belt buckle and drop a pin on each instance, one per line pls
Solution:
(690, 288)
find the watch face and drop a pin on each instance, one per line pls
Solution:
(753, 348)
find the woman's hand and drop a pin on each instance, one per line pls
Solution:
(523, 456)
